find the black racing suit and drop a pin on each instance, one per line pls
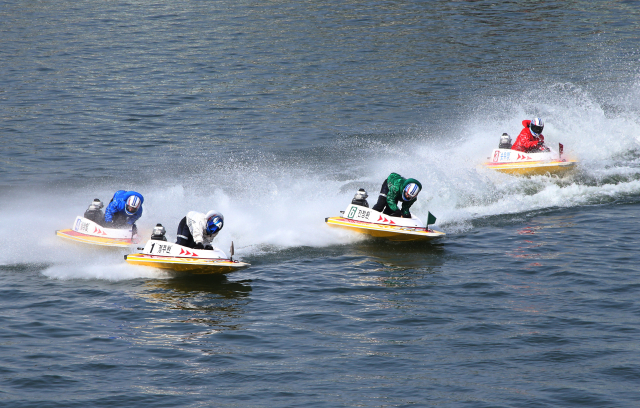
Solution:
(381, 205)
(184, 234)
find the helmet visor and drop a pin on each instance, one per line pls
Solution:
(536, 129)
(132, 205)
(410, 192)
(214, 225)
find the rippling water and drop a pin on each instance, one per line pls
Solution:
(274, 113)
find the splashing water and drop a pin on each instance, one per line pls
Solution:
(272, 203)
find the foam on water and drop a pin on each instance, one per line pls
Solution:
(108, 270)
(273, 203)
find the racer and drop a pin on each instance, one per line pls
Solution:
(197, 230)
(124, 209)
(530, 139)
(396, 188)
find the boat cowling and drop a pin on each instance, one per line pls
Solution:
(365, 214)
(164, 248)
(505, 141)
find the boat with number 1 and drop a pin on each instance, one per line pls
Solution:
(158, 253)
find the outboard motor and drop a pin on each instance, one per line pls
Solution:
(158, 233)
(360, 198)
(505, 141)
(94, 212)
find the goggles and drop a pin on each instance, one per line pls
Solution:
(131, 209)
(410, 191)
(214, 224)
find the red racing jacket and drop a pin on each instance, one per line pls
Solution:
(526, 141)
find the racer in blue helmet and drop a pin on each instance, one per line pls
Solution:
(197, 230)
(214, 224)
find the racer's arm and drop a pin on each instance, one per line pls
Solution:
(207, 239)
(405, 208)
(531, 143)
(196, 226)
(112, 208)
(392, 198)
(524, 141)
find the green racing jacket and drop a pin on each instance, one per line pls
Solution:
(396, 185)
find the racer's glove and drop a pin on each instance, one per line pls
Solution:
(208, 247)
(406, 216)
(540, 143)
(198, 246)
(396, 213)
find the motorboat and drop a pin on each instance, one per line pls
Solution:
(158, 253)
(548, 162)
(87, 231)
(358, 217)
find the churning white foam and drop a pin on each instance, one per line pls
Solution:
(270, 203)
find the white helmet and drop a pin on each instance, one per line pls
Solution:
(536, 126)
(133, 205)
(410, 192)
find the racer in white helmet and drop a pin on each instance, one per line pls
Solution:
(530, 139)
(395, 189)
(124, 209)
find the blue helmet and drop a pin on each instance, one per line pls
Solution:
(410, 192)
(133, 205)
(536, 126)
(215, 222)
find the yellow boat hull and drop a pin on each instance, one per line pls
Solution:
(93, 240)
(391, 232)
(190, 265)
(535, 169)
(530, 164)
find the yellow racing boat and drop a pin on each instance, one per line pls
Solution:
(506, 160)
(364, 220)
(89, 232)
(158, 253)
